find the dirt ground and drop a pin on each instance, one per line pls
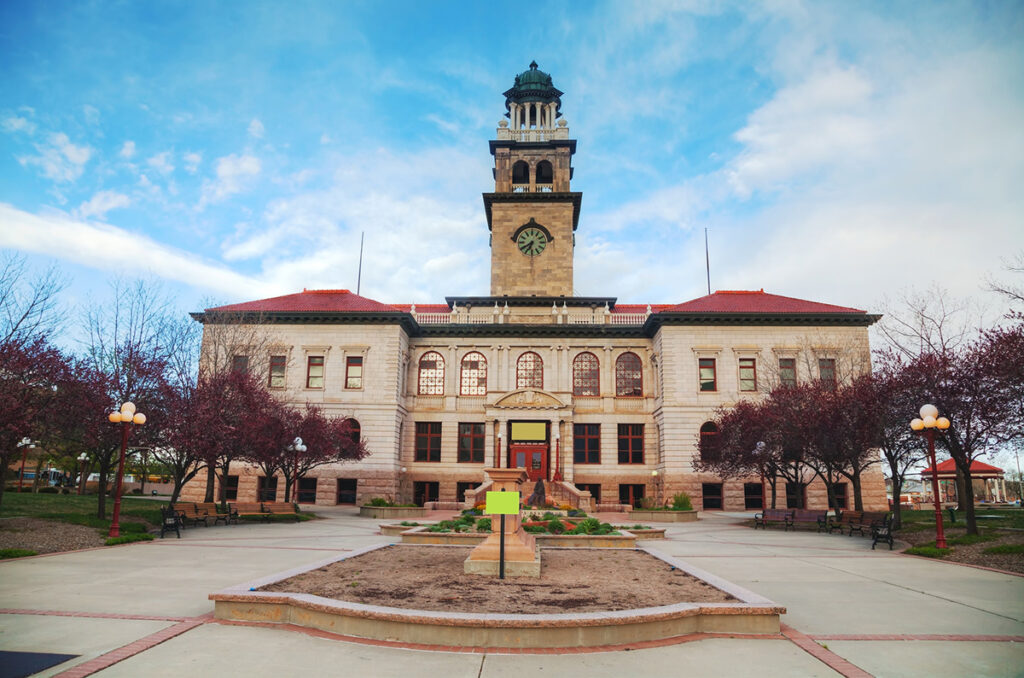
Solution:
(47, 536)
(431, 578)
(973, 554)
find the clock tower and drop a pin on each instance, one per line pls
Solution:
(532, 214)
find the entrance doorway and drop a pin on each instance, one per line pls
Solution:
(529, 448)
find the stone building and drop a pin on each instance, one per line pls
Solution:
(602, 398)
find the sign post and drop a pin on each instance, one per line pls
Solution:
(502, 503)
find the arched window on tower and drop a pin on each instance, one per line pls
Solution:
(708, 441)
(431, 379)
(545, 173)
(529, 371)
(520, 176)
(473, 379)
(629, 376)
(586, 375)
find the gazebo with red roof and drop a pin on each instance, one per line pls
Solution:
(980, 471)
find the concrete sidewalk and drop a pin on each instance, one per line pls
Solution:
(142, 610)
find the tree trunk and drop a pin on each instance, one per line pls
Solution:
(3, 479)
(897, 490)
(101, 503)
(968, 501)
(773, 482)
(37, 475)
(858, 498)
(287, 487)
(961, 490)
(211, 476)
(222, 494)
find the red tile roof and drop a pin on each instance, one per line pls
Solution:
(948, 467)
(753, 301)
(310, 301)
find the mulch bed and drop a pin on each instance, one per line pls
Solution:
(572, 580)
(47, 536)
(973, 554)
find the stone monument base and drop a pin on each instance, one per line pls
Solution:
(513, 568)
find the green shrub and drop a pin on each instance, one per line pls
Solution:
(406, 523)
(534, 517)
(1005, 549)
(535, 529)
(15, 553)
(640, 527)
(587, 526)
(681, 502)
(472, 512)
(577, 513)
(379, 501)
(556, 526)
(483, 525)
(928, 551)
(548, 516)
(128, 538)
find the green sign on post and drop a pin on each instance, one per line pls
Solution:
(502, 503)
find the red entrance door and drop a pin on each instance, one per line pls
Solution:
(531, 456)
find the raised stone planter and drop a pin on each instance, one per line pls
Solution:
(751, 614)
(394, 529)
(392, 512)
(652, 533)
(641, 516)
(419, 535)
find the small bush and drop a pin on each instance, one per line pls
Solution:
(640, 527)
(534, 517)
(472, 512)
(681, 502)
(379, 501)
(128, 538)
(577, 513)
(407, 523)
(928, 551)
(1005, 549)
(556, 526)
(565, 507)
(535, 529)
(15, 553)
(483, 525)
(548, 516)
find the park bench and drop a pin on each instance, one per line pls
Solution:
(282, 508)
(882, 532)
(213, 511)
(845, 519)
(819, 518)
(188, 511)
(868, 520)
(169, 520)
(784, 516)
(247, 509)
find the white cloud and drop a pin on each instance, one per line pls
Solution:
(127, 150)
(325, 139)
(234, 174)
(14, 123)
(59, 159)
(256, 129)
(161, 162)
(92, 114)
(101, 203)
(192, 162)
(112, 249)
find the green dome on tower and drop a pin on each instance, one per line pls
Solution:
(533, 85)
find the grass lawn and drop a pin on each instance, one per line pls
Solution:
(915, 521)
(1000, 543)
(80, 510)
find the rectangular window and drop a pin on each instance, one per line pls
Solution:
(593, 488)
(631, 495)
(708, 381)
(315, 371)
(631, 443)
(471, 443)
(838, 498)
(428, 441)
(306, 493)
(787, 372)
(827, 372)
(712, 493)
(753, 496)
(586, 443)
(748, 374)
(240, 363)
(267, 489)
(462, 488)
(422, 492)
(354, 371)
(795, 495)
(347, 490)
(231, 489)
(276, 378)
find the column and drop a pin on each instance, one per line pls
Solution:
(451, 375)
(607, 373)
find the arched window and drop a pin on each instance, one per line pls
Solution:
(545, 173)
(473, 380)
(708, 441)
(586, 375)
(520, 173)
(431, 381)
(529, 371)
(629, 376)
(355, 430)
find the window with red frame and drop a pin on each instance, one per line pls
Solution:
(428, 441)
(277, 366)
(354, 371)
(473, 376)
(748, 374)
(240, 363)
(629, 376)
(708, 378)
(631, 443)
(471, 443)
(827, 372)
(315, 371)
(708, 441)
(586, 443)
(787, 372)
(529, 371)
(431, 377)
(586, 375)
(355, 431)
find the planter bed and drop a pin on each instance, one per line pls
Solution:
(650, 533)
(640, 515)
(419, 535)
(394, 529)
(388, 512)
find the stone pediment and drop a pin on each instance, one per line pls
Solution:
(529, 399)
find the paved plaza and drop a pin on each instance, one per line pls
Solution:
(142, 610)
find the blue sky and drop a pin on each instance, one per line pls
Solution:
(840, 152)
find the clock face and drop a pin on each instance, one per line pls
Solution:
(532, 241)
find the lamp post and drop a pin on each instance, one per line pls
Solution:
(126, 416)
(297, 447)
(82, 459)
(926, 425)
(558, 455)
(657, 487)
(497, 453)
(26, 444)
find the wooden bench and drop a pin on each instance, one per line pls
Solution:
(817, 517)
(882, 532)
(213, 511)
(784, 516)
(846, 519)
(281, 508)
(188, 511)
(868, 521)
(250, 509)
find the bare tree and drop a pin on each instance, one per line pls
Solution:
(931, 321)
(1013, 292)
(28, 306)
